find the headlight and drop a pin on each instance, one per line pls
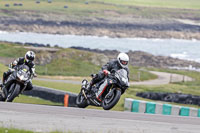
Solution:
(124, 80)
(22, 77)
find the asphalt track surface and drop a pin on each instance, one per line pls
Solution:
(41, 118)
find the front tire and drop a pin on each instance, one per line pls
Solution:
(109, 103)
(13, 92)
(81, 101)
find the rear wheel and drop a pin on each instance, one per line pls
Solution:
(81, 101)
(111, 100)
(1, 96)
(13, 92)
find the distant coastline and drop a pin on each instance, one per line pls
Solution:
(127, 27)
(178, 48)
(137, 58)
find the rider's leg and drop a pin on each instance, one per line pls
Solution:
(5, 76)
(98, 77)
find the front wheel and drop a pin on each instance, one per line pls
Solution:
(81, 101)
(13, 92)
(111, 100)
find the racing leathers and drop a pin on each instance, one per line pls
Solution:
(15, 64)
(111, 65)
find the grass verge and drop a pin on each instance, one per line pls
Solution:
(14, 130)
(66, 62)
(101, 8)
(34, 100)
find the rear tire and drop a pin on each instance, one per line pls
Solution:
(13, 92)
(114, 101)
(1, 97)
(81, 101)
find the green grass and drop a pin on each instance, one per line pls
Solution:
(66, 62)
(14, 130)
(69, 62)
(11, 50)
(98, 8)
(34, 100)
(68, 67)
(140, 74)
(59, 85)
(191, 4)
(80, 4)
(3, 68)
(192, 74)
(78, 67)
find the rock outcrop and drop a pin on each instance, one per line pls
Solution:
(144, 59)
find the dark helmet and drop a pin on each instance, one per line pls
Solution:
(29, 56)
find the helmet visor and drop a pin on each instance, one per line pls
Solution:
(124, 62)
(29, 58)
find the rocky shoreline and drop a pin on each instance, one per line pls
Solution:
(163, 24)
(144, 59)
(28, 21)
(100, 57)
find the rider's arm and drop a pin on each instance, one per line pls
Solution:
(33, 70)
(107, 66)
(15, 63)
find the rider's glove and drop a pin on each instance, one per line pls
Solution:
(34, 75)
(106, 72)
(13, 64)
(11, 69)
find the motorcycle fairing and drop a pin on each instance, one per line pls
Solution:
(102, 88)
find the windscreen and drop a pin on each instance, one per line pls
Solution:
(123, 73)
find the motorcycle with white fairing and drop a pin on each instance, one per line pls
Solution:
(112, 87)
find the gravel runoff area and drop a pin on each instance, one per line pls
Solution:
(40, 118)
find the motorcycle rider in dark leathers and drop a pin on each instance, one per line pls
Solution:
(119, 63)
(27, 60)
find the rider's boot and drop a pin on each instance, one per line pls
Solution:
(92, 82)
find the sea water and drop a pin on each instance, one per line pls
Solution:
(178, 48)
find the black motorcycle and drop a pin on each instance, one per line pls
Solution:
(113, 86)
(16, 83)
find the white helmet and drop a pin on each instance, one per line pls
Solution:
(29, 56)
(123, 59)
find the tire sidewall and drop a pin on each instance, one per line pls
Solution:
(14, 94)
(82, 104)
(113, 102)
